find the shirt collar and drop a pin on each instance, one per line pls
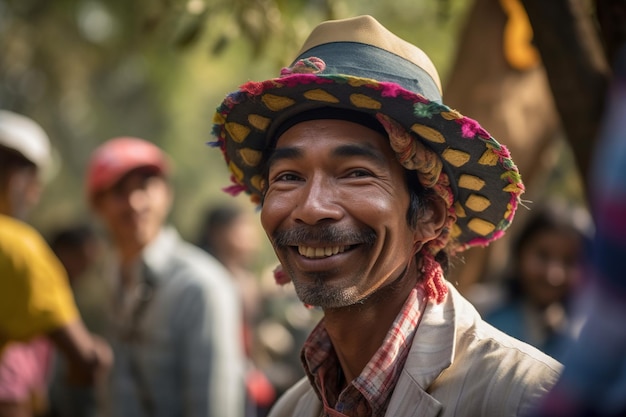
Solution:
(370, 392)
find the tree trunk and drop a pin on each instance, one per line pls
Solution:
(514, 105)
(577, 69)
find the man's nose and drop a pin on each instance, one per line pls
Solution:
(556, 273)
(318, 201)
(137, 199)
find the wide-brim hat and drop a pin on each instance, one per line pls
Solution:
(357, 64)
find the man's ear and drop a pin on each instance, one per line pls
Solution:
(432, 221)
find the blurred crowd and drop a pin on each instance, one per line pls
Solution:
(119, 316)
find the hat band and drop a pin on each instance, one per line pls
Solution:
(368, 61)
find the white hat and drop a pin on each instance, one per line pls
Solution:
(24, 135)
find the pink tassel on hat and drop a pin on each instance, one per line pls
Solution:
(280, 276)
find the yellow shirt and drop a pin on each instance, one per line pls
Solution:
(35, 296)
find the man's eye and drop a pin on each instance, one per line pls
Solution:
(287, 177)
(357, 173)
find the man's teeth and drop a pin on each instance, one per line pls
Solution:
(320, 252)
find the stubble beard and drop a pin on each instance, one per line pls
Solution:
(317, 292)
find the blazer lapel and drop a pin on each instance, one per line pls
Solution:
(410, 400)
(308, 405)
(431, 353)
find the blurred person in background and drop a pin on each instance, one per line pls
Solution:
(175, 314)
(546, 275)
(593, 382)
(79, 249)
(231, 235)
(37, 309)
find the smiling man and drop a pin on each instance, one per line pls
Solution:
(367, 185)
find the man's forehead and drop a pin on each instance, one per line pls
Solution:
(137, 174)
(336, 138)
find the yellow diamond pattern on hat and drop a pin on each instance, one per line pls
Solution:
(259, 122)
(218, 118)
(237, 131)
(365, 102)
(428, 133)
(360, 82)
(459, 210)
(512, 188)
(480, 226)
(489, 157)
(250, 156)
(237, 172)
(451, 115)
(258, 182)
(456, 157)
(471, 182)
(477, 203)
(321, 95)
(277, 103)
(509, 208)
(455, 231)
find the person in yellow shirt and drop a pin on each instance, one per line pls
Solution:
(36, 303)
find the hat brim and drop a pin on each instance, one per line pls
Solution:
(485, 181)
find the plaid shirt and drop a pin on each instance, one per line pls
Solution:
(368, 394)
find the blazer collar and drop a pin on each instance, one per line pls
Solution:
(431, 353)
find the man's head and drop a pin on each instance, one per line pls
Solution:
(356, 82)
(24, 157)
(231, 234)
(127, 187)
(336, 209)
(77, 247)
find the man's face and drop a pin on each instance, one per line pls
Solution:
(335, 211)
(135, 207)
(550, 265)
(24, 191)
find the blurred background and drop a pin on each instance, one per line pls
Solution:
(534, 74)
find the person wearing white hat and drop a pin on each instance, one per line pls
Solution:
(25, 158)
(37, 307)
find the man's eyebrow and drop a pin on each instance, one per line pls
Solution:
(341, 151)
(280, 154)
(366, 151)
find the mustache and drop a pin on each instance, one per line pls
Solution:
(327, 234)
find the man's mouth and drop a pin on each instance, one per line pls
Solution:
(314, 253)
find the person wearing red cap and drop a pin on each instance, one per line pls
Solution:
(36, 303)
(175, 313)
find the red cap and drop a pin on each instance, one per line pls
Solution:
(118, 156)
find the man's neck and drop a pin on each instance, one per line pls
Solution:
(128, 254)
(358, 331)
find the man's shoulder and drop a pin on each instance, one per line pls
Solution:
(19, 234)
(21, 243)
(477, 338)
(289, 403)
(199, 263)
(171, 255)
(489, 369)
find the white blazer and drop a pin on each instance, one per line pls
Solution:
(458, 365)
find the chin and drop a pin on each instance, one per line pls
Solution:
(324, 296)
